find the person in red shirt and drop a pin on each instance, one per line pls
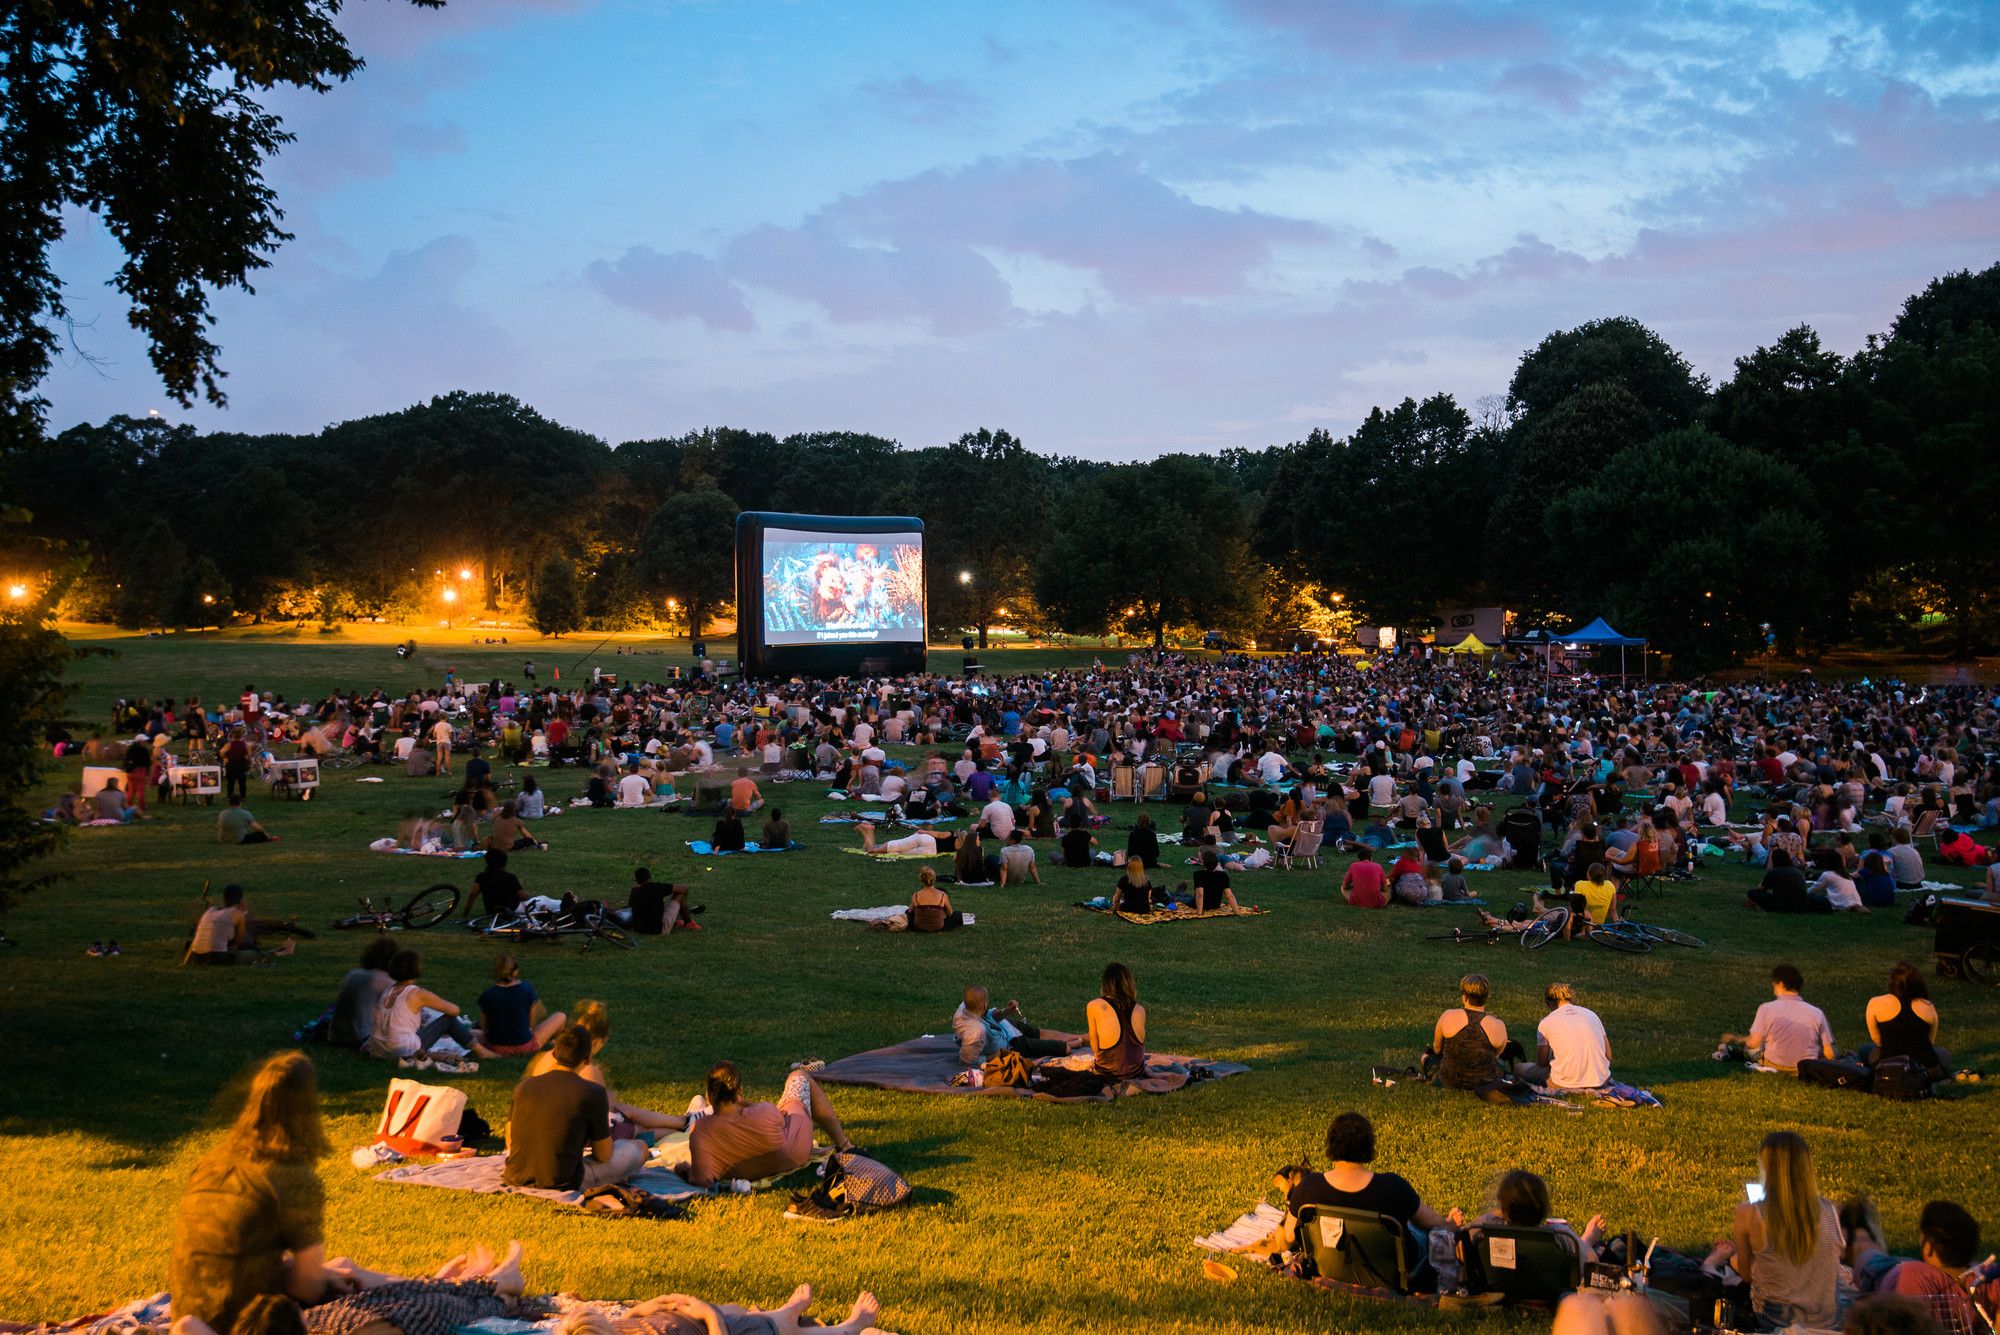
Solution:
(1363, 884)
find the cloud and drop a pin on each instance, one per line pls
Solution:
(1143, 239)
(950, 288)
(1419, 32)
(942, 104)
(680, 286)
(1544, 81)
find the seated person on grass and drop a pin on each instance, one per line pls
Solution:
(559, 1128)
(744, 794)
(1469, 1048)
(1903, 1022)
(594, 1020)
(777, 831)
(978, 1027)
(1593, 902)
(1947, 1278)
(225, 935)
(510, 832)
(513, 1022)
(1017, 861)
(499, 890)
(1571, 1050)
(1364, 882)
(1115, 1024)
(1134, 893)
(728, 836)
(1522, 1201)
(1783, 889)
(110, 804)
(1787, 1030)
(655, 908)
(930, 908)
(235, 825)
(678, 1314)
(353, 1017)
(1351, 1184)
(758, 1140)
(1211, 885)
(400, 1029)
(1077, 841)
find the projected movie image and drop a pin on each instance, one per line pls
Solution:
(842, 588)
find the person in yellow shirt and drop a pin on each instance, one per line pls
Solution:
(1595, 899)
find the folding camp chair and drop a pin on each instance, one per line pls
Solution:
(1304, 846)
(1925, 828)
(1124, 787)
(1360, 1247)
(1536, 1265)
(1152, 782)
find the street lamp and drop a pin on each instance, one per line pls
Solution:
(208, 600)
(18, 592)
(450, 597)
(965, 577)
(465, 572)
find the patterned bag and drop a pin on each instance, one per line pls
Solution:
(863, 1184)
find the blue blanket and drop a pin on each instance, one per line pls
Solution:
(704, 849)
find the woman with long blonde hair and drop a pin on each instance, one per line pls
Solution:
(252, 1217)
(1788, 1245)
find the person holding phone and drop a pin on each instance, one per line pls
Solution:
(1785, 1239)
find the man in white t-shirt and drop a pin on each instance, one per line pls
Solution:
(703, 754)
(1271, 766)
(1788, 1029)
(864, 733)
(1382, 791)
(997, 819)
(1571, 1049)
(633, 790)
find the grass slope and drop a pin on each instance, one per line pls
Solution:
(1028, 1216)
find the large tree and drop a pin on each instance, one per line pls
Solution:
(1147, 547)
(688, 551)
(555, 604)
(986, 501)
(1618, 351)
(149, 114)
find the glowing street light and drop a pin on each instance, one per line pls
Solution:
(451, 595)
(18, 592)
(465, 572)
(208, 600)
(965, 577)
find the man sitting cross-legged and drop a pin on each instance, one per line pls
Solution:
(559, 1132)
(981, 1030)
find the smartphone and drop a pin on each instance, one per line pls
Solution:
(1754, 1192)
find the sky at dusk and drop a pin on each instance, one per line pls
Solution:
(1114, 228)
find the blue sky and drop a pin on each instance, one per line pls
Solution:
(1115, 228)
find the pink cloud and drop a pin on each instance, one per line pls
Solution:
(680, 286)
(946, 286)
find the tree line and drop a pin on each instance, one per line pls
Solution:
(1811, 499)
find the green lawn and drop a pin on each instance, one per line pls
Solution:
(1028, 1216)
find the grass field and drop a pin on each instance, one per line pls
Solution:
(1028, 1216)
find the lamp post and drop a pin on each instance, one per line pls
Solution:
(450, 597)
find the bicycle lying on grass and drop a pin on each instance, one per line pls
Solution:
(427, 908)
(1632, 938)
(526, 924)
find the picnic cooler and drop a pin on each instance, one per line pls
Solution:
(418, 1117)
(1962, 924)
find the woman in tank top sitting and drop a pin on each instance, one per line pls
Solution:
(1116, 1025)
(1470, 1049)
(1903, 1022)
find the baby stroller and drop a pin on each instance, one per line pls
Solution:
(1522, 830)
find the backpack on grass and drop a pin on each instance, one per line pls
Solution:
(1836, 1074)
(1901, 1079)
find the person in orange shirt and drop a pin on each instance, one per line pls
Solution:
(744, 795)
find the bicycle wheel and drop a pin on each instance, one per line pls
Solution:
(612, 934)
(431, 907)
(1671, 936)
(1981, 962)
(1545, 928)
(1622, 936)
(485, 922)
(286, 927)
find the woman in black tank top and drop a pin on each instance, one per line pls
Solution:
(1899, 1029)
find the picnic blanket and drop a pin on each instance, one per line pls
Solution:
(1170, 915)
(1247, 1231)
(379, 847)
(881, 818)
(704, 849)
(141, 1314)
(894, 857)
(883, 914)
(926, 1065)
(482, 1176)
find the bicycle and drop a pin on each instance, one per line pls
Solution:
(1460, 936)
(554, 925)
(1619, 936)
(427, 908)
(1667, 936)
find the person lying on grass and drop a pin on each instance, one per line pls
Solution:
(466, 1289)
(980, 1030)
(678, 1314)
(559, 1127)
(595, 1020)
(921, 844)
(758, 1140)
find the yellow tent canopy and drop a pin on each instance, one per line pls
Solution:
(1471, 644)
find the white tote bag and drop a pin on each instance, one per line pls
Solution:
(418, 1117)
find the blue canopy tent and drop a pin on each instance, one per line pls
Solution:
(1599, 635)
